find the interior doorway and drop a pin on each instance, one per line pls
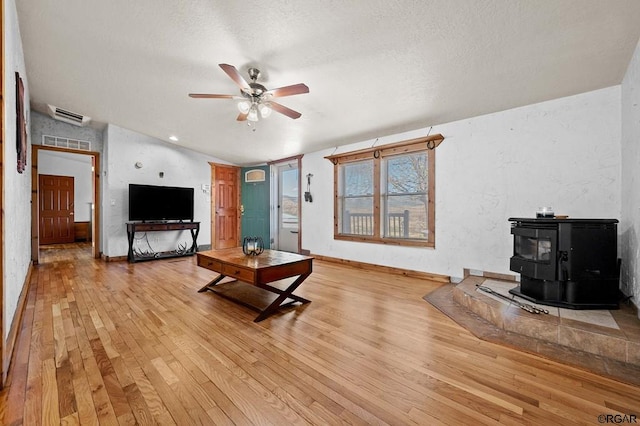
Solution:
(56, 209)
(225, 206)
(85, 216)
(285, 216)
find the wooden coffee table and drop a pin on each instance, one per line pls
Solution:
(259, 271)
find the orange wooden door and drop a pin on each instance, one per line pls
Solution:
(225, 207)
(56, 209)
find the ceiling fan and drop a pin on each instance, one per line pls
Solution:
(255, 100)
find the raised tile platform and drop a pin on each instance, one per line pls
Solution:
(607, 342)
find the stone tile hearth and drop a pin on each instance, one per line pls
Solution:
(605, 341)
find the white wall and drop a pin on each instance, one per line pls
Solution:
(79, 167)
(42, 124)
(563, 153)
(181, 167)
(630, 223)
(17, 187)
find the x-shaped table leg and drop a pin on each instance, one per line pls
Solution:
(212, 283)
(284, 294)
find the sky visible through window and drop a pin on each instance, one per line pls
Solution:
(290, 183)
(358, 179)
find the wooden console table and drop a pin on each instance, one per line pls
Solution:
(133, 227)
(270, 266)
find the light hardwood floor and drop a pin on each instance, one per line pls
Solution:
(115, 343)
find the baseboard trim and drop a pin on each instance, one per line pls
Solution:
(380, 268)
(12, 337)
(114, 258)
(493, 275)
(629, 301)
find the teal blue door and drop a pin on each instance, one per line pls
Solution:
(255, 203)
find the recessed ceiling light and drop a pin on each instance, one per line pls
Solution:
(173, 138)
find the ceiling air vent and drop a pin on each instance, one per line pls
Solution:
(68, 116)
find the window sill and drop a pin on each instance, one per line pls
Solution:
(385, 241)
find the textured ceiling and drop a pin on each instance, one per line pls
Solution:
(373, 67)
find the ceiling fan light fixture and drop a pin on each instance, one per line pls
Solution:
(265, 110)
(252, 115)
(244, 106)
(255, 99)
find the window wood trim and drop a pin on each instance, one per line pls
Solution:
(429, 144)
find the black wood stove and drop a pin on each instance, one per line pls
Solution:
(568, 263)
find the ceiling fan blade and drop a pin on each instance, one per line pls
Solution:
(284, 110)
(211, 96)
(241, 117)
(295, 89)
(235, 76)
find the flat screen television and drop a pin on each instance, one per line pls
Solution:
(149, 203)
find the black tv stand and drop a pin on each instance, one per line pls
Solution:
(133, 227)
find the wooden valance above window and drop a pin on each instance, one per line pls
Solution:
(418, 144)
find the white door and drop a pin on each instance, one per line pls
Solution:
(287, 209)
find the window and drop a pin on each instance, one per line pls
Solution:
(386, 194)
(288, 190)
(255, 175)
(356, 200)
(405, 200)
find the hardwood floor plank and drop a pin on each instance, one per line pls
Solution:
(138, 405)
(153, 401)
(232, 411)
(70, 420)
(410, 373)
(120, 343)
(101, 400)
(380, 407)
(121, 371)
(127, 420)
(197, 394)
(117, 397)
(255, 405)
(315, 387)
(32, 409)
(66, 397)
(59, 338)
(50, 410)
(174, 406)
